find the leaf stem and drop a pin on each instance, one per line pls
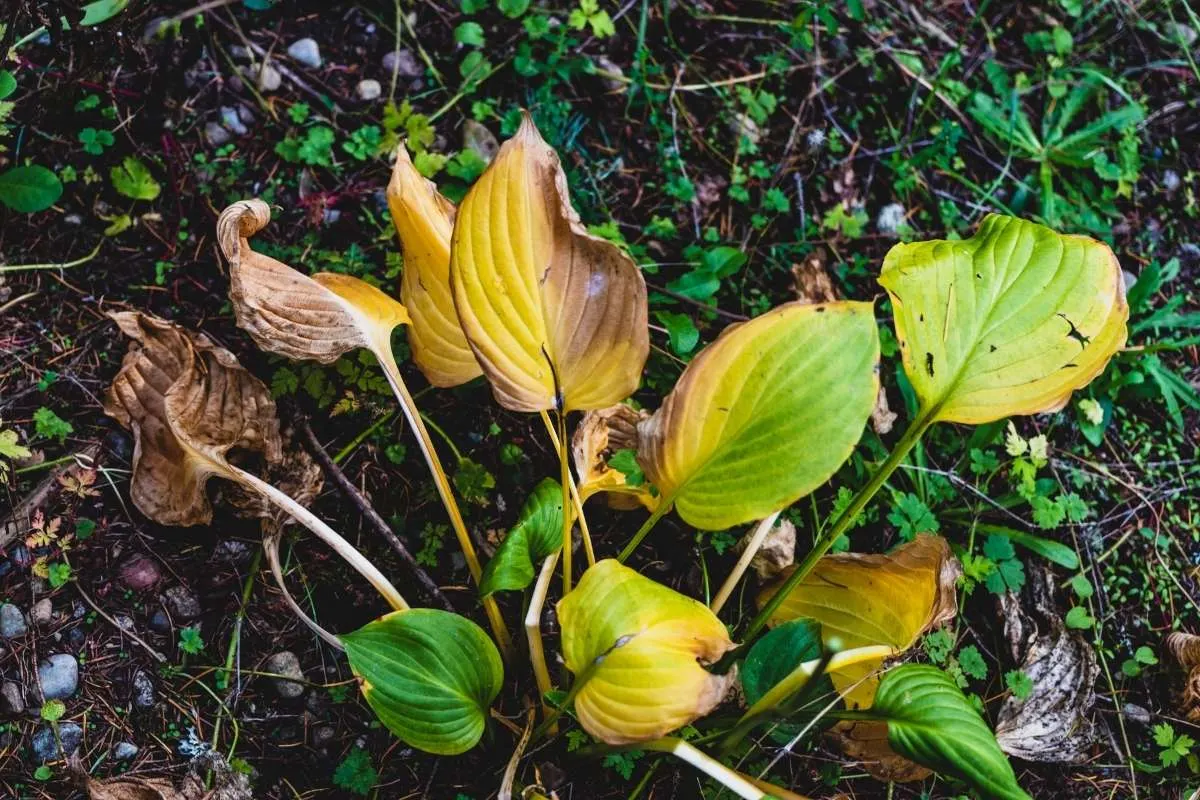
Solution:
(533, 634)
(663, 507)
(413, 415)
(708, 765)
(568, 522)
(842, 523)
(752, 547)
(576, 500)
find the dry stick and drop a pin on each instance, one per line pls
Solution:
(371, 515)
(575, 499)
(752, 547)
(533, 633)
(159, 657)
(409, 407)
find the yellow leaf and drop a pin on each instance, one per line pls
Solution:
(765, 414)
(544, 303)
(861, 600)
(1008, 322)
(636, 649)
(424, 221)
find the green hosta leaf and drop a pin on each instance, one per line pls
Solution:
(930, 722)
(773, 657)
(537, 535)
(429, 675)
(1010, 321)
(29, 189)
(765, 414)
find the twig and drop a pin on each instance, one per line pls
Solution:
(371, 515)
(57, 265)
(159, 657)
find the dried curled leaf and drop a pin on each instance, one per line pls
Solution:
(877, 599)
(188, 403)
(637, 648)
(867, 742)
(550, 310)
(424, 221)
(1186, 649)
(314, 318)
(132, 789)
(601, 433)
(296, 474)
(777, 551)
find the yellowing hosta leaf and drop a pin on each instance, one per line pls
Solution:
(539, 298)
(1010, 321)
(765, 414)
(429, 675)
(188, 403)
(287, 312)
(637, 647)
(887, 599)
(424, 220)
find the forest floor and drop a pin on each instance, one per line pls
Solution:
(742, 152)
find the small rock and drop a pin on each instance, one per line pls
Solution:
(231, 551)
(143, 694)
(743, 126)
(368, 90)
(1179, 33)
(42, 612)
(245, 114)
(1136, 714)
(44, 746)
(403, 63)
(141, 572)
(285, 663)
(182, 604)
(59, 676)
(268, 78)
(1171, 181)
(11, 701)
(890, 218)
(124, 621)
(124, 751)
(216, 134)
(232, 120)
(12, 622)
(478, 138)
(239, 52)
(323, 735)
(614, 75)
(306, 51)
(160, 622)
(330, 216)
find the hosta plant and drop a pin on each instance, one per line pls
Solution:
(511, 287)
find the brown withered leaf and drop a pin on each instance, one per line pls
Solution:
(811, 282)
(188, 403)
(133, 789)
(777, 552)
(1185, 647)
(599, 434)
(314, 318)
(296, 474)
(867, 743)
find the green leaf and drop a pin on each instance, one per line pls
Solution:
(1078, 618)
(681, 329)
(133, 179)
(773, 657)
(101, 11)
(513, 8)
(29, 189)
(1019, 683)
(9, 447)
(537, 535)
(429, 675)
(356, 773)
(972, 663)
(469, 33)
(49, 425)
(53, 710)
(765, 414)
(1049, 549)
(8, 84)
(930, 722)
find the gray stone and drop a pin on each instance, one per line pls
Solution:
(323, 735)
(232, 120)
(12, 622)
(478, 138)
(124, 751)
(742, 125)
(42, 612)
(239, 52)
(1136, 713)
(890, 218)
(306, 51)
(181, 603)
(285, 663)
(1171, 181)
(140, 572)
(124, 621)
(143, 695)
(403, 63)
(368, 90)
(59, 676)
(268, 78)
(330, 216)
(44, 746)
(231, 551)
(11, 701)
(216, 134)
(1179, 33)
(160, 622)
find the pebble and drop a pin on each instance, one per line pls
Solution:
(1136, 713)
(403, 63)
(613, 79)
(306, 52)
(269, 79)
(743, 126)
(182, 604)
(890, 218)
(42, 612)
(1171, 181)
(144, 694)
(1177, 32)
(330, 216)
(59, 676)
(140, 573)
(12, 622)
(285, 663)
(232, 120)
(231, 551)
(125, 751)
(368, 90)
(478, 138)
(11, 701)
(45, 748)
(160, 622)
(216, 134)
(124, 621)
(323, 735)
